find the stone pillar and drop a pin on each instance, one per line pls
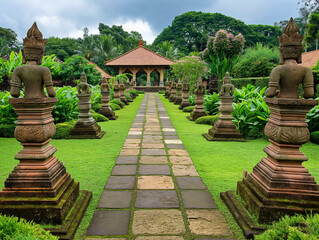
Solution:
(185, 101)
(167, 88)
(199, 100)
(179, 87)
(106, 110)
(116, 89)
(161, 77)
(172, 95)
(148, 71)
(122, 93)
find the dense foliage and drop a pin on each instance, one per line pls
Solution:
(211, 104)
(7, 113)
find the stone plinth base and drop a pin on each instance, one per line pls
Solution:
(83, 130)
(196, 114)
(108, 112)
(223, 130)
(172, 98)
(124, 100)
(178, 100)
(183, 105)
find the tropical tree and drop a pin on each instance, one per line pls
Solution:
(313, 29)
(62, 48)
(167, 49)
(4, 46)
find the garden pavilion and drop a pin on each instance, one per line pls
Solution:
(141, 59)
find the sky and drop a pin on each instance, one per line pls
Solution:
(67, 18)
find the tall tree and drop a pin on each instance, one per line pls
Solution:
(61, 47)
(167, 49)
(10, 36)
(313, 29)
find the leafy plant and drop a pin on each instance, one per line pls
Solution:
(191, 99)
(209, 120)
(314, 137)
(7, 66)
(313, 119)
(120, 77)
(188, 109)
(7, 113)
(211, 104)
(51, 62)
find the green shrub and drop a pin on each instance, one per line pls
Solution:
(115, 107)
(140, 92)
(188, 109)
(7, 130)
(12, 228)
(118, 102)
(7, 113)
(161, 92)
(191, 99)
(313, 119)
(292, 228)
(133, 93)
(314, 137)
(96, 106)
(62, 130)
(99, 117)
(209, 120)
(211, 104)
(128, 97)
(243, 82)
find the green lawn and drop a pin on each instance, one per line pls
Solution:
(221, 164)
(89, 161)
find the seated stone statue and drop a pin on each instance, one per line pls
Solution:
(31, 75)
(227, 88)
(290, 74)
(105, 86)
(83, 87)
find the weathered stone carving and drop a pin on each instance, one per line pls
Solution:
(185, 101)
(39, 188)
(167, 88)
(224, 129)
(212, 84)
(86, 126)
(122, 93)
(106, 110)
(116, 89)
(199, 100)
(179, 98)
(172, 95)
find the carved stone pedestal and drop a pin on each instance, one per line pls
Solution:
(279, 184)
(86, 126)
(224, 129)
(167, 88)
(106, 110)
(122, 94)
(116, 89)
(185, 101)
(199, 100)
(172, 94)
(179, 98)
(39, 188)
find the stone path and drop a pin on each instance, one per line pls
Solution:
(154, 191)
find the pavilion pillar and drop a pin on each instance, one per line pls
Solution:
(121, 70)
(148, 71)
(134, 72)
(161, 76)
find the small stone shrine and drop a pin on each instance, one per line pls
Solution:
(167, 88)
(106, 110)
(224, 129)
(179, 98)
(122, 93)
(116, 89)
(86, 126)
(213, 84)
(172, 94)
(185, 101)
(279, 183)
(199, 100)
(39, 188)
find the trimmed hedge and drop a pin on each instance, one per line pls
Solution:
(121, 104)
(209, 120)
(99, 117)
(314, 137)
(13, 228)
(115, 107)
(96, 106)
(188, 109)
(62, 130)
(242, 82)
(7, 130)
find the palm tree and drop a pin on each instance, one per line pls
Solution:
(167, 49)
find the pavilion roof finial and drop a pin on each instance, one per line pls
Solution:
(140, 43)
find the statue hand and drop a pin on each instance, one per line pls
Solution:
(271, 92)
(15, 92)
(51, 92)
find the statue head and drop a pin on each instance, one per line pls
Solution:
(104, 80)
(83, 78)
(33, 45)
(290, 43)
(226, 79)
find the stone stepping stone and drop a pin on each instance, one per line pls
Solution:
(197, 199)
(184, 170)
(154, 145)
(170, 146)
(156, 199)
(177, 152)
(155, 182)
(120, 182)
(153, 160)
(115, 199)
(109, 222)
(190, 183)
(159, 238)
(154, 170)
(171, 137)
(129, 152)
(158, 222)
(169, 130)
(127, 160)
(124, 170)
(182, 160)
(173, 141)
(154, 152)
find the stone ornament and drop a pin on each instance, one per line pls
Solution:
(167, 88)
(39, 188)
(213, 83)
(179, 88)
(83, 87)
(122, 93)
(199, 100)
(224, 129)
(185, 101)
(116, 89)
(172, 95)
(106, 109)
(279, 183)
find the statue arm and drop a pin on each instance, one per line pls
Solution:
(222, 91)
(308, 85)
(47, 79)
(15, 84)
(232, 90)
(273, 85)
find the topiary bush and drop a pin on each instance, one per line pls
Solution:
(13, 228)
(188, 109)
(161, 92)
(191, 99)
(314, 137)
(96, 106)
(62, 130)
(211, 104)
(209, 120)
(292, 228)
(7, 130)
(313, 119)
(118, 102)
(99, 117)
(115, 106)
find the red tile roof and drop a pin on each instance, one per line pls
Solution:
(103, 73)
(310, 59)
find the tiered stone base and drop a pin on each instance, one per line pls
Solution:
(196, 114)
(178, 100)
(172, 98)
(223, 131)
(83, 130)
(123, 100)
(108, 112)
(183, 105)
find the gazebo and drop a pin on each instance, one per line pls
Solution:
(141, 59)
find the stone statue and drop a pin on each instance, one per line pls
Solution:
(227, 88)
(116, 88)
(213, 83)
(106, 110)
(289, 75)
(105, 86)
(31, 75)
(83, 87)
(179, 88)
(199, 100)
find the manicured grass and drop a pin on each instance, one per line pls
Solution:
(221, 164)
(89, 161)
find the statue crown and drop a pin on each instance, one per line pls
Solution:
(34, 38)
(290, 34)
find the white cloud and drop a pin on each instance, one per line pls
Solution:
(138, 25)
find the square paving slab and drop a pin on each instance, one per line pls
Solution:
(197, 199)
(177, 152)
(127, 160)
(156, 145)
(190, 183)
(120, 182)
(160, 238)
(174, 146)
(181, 160)
(156, 199)
(109, 223)
(154, 170)
(154, 152)
(158, 222)
(115, 199)
(155, 182)
(184, 170)
(124, 170)
(130, 152)
(153, 160)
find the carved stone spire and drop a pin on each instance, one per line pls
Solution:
(34, 38)
(291, 34)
